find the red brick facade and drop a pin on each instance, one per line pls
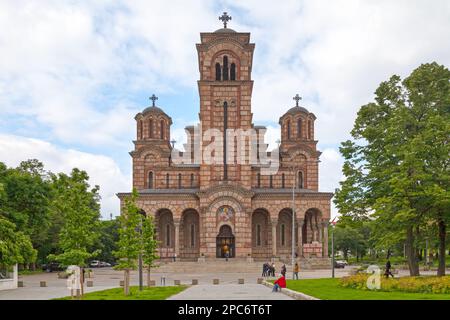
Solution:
(212, 210)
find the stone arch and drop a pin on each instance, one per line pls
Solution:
(312, 226)
(284, 232)
(261, 234)
(165, 227)
(190, 234)
(217, 60)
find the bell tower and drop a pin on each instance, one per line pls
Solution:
(225, 87)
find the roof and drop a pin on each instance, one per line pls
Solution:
(225, 30)
(156, 110)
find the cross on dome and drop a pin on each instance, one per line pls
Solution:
(225, 18)
(153, 98)
(297, 98)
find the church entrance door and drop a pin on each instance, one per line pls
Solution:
(225, 243)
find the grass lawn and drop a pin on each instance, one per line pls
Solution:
(328, 289)
(152, 293)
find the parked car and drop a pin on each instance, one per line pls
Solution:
(344, 262)
(52, 266)
(99, 264)
(339, 264)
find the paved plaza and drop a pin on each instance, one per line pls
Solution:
(106, 278)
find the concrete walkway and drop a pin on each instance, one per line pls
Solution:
(229, 292)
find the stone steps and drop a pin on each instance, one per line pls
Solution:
(235, 265)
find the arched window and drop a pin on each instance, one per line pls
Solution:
(167, 235)
(309, 129)
(141, 130)
(299, 128)
(300, 179)
(192, 180)
(162, 129)
(167, 180)
(218, 71)
(150, 180)
(258, 234)
(288, 129)
(283, 181)
(271, 181)
(258, 180)
(192, 235)
(150, 128)
(283, 235)
(233, 72)
(225, 68)
(179, 180)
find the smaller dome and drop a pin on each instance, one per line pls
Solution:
(297, 110)
(153, 109)
(225, 30)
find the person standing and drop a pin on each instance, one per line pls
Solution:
(296, 270)
(283, 270)
(388, 272)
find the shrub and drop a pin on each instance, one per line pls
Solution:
(426, 284)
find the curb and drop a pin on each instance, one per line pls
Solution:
(291, 293)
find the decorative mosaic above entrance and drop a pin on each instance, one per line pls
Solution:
(225, 213)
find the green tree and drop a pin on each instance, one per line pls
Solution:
(149, 245)
(79, 205)
(15, 246)
(129, 244)
(396, 166)
(107, 241)
(25, 200)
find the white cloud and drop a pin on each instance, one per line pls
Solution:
(74, 69)
(102, 170)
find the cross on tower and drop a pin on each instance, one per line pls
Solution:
(297, 98)
(153, 98)
(225, 18)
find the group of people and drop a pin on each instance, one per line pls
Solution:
(269, 271)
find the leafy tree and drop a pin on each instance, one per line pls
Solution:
(149, 245)
(348, 240)
(15, 246)
(25, 200)
(129, 244)
(79, 205)
(107, 240)
(396, 166)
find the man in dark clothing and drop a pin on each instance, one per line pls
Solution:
(283, 270)
(388, 272)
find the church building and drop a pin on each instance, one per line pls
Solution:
(206, 210)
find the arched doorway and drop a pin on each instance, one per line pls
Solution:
(225, 242)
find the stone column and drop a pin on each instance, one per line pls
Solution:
(274, 237)
(176, 223)
(325, 239)
(300, 237)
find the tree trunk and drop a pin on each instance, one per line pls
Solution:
(126, 284)
(82, 281)
(411, 253)
(148, 275)
(441, 267)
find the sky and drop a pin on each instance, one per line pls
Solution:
(73, 74)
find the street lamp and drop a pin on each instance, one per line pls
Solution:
(332, 247)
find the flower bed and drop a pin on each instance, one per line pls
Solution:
(428, 284)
